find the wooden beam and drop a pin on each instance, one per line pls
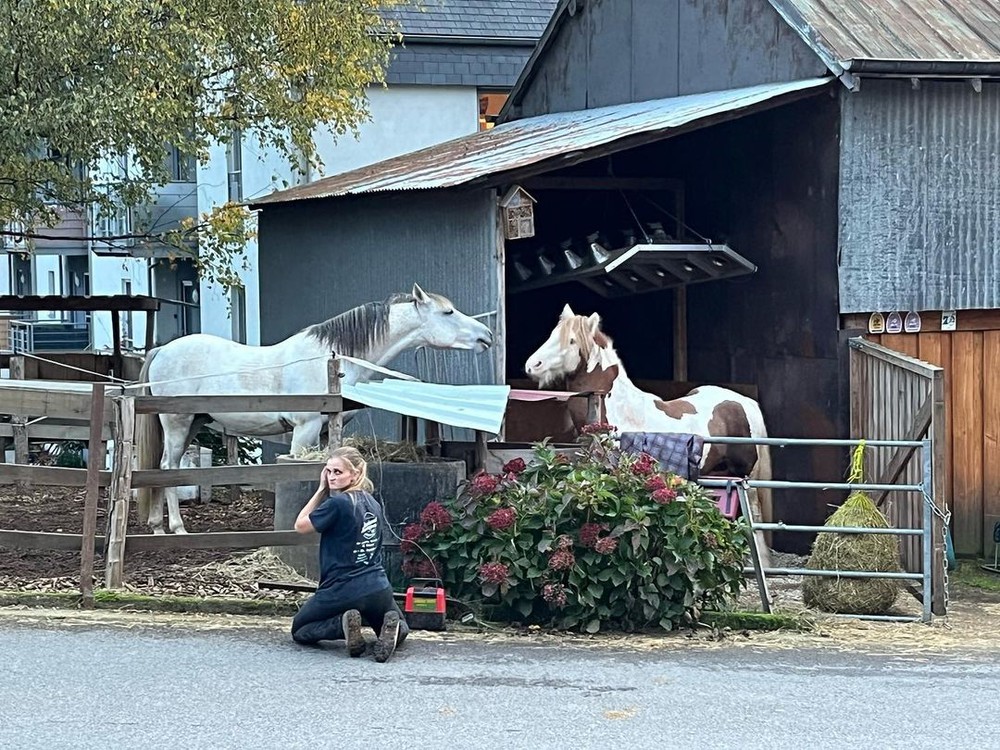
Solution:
(116, 335)
(47, 431)
(150, 329)
(603, 183)
(326, 403)
(219, 540)
(58, 404)
(49, 475)
(223, 475)
(680, 334)
(930, 322)
(110, 302)
(54, 541)
(95, 460)
(334, 417)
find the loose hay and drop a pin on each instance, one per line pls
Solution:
(373, 450)
(835, 551)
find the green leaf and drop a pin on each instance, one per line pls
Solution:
(524, 606)
(593, 626)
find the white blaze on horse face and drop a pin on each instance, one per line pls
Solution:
(553, 360)
(445, 327)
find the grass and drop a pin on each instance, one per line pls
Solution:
(745, 620)
(970, 574)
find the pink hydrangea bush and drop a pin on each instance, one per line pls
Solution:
(595, 540)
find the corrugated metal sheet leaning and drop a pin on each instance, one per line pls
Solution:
(474, 407)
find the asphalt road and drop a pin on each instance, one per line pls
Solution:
(84, 687)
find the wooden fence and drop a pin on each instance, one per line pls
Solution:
(112, 413)
(897, 397)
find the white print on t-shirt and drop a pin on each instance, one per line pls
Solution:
(365, 547)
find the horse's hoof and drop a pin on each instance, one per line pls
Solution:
(181, 530)
(159, 530)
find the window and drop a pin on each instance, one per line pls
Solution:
(238, 312)
(234, 162)
(180, 167)
(490, 104)
(52, 282)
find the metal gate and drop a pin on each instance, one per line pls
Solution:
(897, 397)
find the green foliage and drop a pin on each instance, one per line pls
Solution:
(71, 455)
(86, 83)
(589, 541)
(247, 448)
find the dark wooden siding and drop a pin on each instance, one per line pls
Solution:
(613, 51)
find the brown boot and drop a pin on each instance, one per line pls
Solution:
(351, 620)
(386, 642)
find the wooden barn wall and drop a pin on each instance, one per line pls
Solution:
(614, 51)
(920, 216)
(319, 258)
(970, 357)
(766, 184)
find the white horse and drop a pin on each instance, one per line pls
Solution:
(200, 364)
(578, 351)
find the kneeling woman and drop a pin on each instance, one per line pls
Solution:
(353, 587)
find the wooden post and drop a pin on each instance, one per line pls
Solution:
(95, 461)
(150, 329)
(19, 421)
(120, 492)
(680, 334)
(433, 437)
(232, 459)
(482, 452)
(334, 421)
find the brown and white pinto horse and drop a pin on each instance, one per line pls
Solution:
(578, 351)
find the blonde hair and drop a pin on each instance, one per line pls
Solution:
(352, 456)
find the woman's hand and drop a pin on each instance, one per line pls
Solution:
(324, 481)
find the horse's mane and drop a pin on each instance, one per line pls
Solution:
(356, 331)
(578, 327)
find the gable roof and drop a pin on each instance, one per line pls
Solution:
(536, 144)
(913, 37)
(905, 36)
(473, 19)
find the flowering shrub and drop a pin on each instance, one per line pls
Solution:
(599, 539)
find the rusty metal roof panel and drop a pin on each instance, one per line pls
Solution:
(897, 30)
(531, 141)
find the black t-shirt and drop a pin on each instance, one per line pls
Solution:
(350, 546)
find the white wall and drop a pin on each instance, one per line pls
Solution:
(403, 119)
(5, 287)
(106, 275)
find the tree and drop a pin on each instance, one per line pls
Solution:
(90, 84)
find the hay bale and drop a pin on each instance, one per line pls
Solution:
(834, 551)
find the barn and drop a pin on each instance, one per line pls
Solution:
(782, 169)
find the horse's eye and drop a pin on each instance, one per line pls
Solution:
(449, 312)
(572, 342)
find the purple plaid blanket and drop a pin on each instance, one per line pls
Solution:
(676, 452)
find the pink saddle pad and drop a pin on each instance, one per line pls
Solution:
(727, 498)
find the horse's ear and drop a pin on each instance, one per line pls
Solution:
(419, 294)
(567, 312)
(594, 322)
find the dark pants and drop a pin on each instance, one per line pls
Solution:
(319, 618)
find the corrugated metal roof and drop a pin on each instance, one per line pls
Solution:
(912, 30)
(473, 407)
(533, 140)
(489, 19)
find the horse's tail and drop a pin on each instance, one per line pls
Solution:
(149, 442)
